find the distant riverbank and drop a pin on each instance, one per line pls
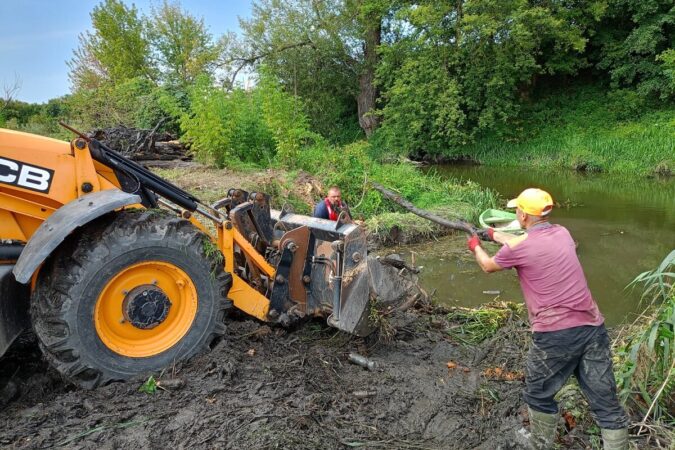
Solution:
(584, 129)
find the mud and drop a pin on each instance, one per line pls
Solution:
(266, 388)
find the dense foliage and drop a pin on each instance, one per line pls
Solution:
(459, 69)
(584, 128)
(636, 40)
(312, 48)
(450, 72)
(252, 127)
(424, 78)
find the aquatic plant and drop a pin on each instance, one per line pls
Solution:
(474, 325)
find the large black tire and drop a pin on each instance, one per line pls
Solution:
(69, 284)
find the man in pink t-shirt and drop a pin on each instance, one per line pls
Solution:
(568, 332)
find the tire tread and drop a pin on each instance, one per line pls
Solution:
(52, 298)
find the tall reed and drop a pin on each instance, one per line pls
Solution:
(646, 353)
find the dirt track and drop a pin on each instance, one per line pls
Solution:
(262, 388)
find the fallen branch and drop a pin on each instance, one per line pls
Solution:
(406, 305)
(149, 137)
(455, 225)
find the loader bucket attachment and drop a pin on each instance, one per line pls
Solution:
(330, 276)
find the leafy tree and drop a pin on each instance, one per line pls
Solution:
(117, 50)
(134, 70)
(285, 117)
(136, 102)
(452, 70)
(636, 42)
(259, 126)
(421, 76)
(668, 60)
(18, 113)
(183, 46)
(321, 50)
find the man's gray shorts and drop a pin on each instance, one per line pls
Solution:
(584, 352)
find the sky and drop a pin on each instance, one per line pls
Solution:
(37, 37)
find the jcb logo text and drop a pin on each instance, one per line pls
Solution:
(26, 176)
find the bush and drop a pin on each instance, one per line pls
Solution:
(262, 126)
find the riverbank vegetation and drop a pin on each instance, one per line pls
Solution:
(646, 354)
(583, 128)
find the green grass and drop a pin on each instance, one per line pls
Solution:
(584, 128)
(352, 169)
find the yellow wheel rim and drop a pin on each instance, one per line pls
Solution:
(111, 318)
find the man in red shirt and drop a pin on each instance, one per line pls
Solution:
(331, 206)
(568, 332)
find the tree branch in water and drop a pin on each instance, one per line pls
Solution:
(459, 225)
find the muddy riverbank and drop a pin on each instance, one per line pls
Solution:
(265, 388)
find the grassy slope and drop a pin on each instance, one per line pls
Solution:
(585, 128)
(301, 189)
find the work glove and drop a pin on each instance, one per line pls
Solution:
(473, 242)
(486, 234)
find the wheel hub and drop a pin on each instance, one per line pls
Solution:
(146, 306)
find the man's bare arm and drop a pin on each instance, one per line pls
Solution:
(485, 261)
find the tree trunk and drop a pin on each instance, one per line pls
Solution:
(458, 24)
(368, 93)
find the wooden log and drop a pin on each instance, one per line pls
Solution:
(459, 225)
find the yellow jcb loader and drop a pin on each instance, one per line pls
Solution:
(119, 272)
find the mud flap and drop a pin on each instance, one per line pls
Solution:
(337, 267)
(13, 308)
(64, 221)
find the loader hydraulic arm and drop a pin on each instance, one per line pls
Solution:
(135, 178)
(146, 180)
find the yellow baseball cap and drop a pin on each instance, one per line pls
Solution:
(533, 201)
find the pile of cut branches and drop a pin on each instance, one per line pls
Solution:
(141, 144)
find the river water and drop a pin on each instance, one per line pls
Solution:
(623, 226)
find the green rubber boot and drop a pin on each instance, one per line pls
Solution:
(615, 439)
(542, 431)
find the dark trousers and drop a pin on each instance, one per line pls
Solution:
(584, 352)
